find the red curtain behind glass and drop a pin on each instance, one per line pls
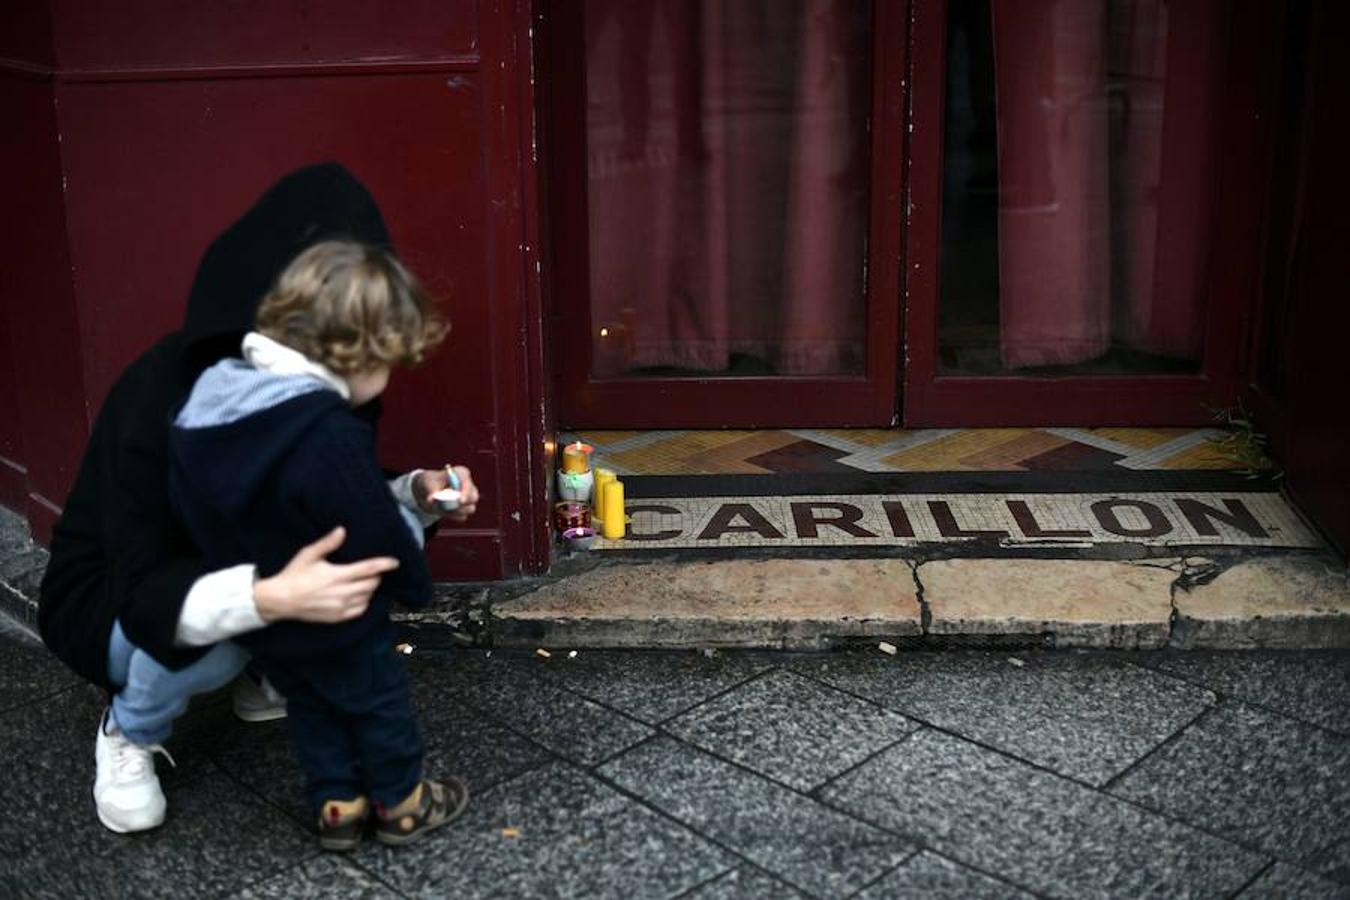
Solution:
(1093, 253)
(727, 183)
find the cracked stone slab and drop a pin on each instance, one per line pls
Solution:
(1043, 832)
(1083, 603)
(1274, 602)
(790, 603)
(1084, 716)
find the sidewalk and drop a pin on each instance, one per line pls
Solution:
(635, 775)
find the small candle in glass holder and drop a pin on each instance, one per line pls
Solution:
(571, 515)
(577, 457)
(578, 538)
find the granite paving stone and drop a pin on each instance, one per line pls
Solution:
(257, 755)
(1285, 882)
(1040, 831)
(1310, 685)
(1250, 795)
(791, 728)
(216, 839)
(16, 565)
(745, 883)
(1332, 861)
(1085, 716)
(321, 878)
(53, 844)
(1253, 777)
(458, 740)
(817, 849)
(575, 837)
(28, 670)
(927, 876)
(565, 723)
(653, 686)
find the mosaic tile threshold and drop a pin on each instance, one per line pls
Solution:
(1155, 519)
(771, 451)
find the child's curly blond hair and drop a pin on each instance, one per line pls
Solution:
(351, 307)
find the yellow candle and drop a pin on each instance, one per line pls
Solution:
(602, 477)
(612, 499)
(576, 457)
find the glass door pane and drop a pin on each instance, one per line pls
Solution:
(728, 160)
(1080, 155)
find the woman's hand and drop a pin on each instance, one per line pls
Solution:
(429, 481)
(312, 589)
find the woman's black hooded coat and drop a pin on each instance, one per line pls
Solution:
(117, 550)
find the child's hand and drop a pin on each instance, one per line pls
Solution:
(429, 481)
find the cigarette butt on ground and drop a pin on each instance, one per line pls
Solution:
(541, 652)
(888, 649)
(405, 649)
(1016, 662)
(511, 832)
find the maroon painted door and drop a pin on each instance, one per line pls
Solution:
(1087, 182)
(725, 187)
(1302, 369)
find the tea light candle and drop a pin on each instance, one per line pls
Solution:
(612, 508)
(579, 538)
(577, 457)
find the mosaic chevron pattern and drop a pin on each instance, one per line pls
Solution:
(902, 450)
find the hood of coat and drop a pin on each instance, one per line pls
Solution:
(312, 204)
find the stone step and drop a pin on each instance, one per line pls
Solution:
(1277, 601)
(1242, 600)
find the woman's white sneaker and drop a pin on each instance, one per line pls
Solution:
(126, 790)
(257, 700)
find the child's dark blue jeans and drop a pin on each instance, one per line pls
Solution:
(352, 721)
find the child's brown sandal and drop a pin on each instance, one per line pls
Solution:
(438, 804)
(341, 824)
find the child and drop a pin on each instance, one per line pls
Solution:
(267, 455)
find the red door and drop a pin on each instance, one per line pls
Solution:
(1087, 189)
(725, 189)
(1302, 369)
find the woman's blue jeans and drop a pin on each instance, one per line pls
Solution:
(150, 697)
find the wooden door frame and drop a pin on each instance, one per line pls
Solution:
(743, 402)
(1234, 268)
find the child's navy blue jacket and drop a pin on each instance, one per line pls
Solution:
(262, 465)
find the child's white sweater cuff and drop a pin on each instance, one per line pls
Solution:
(219, 605)
(401, 488)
